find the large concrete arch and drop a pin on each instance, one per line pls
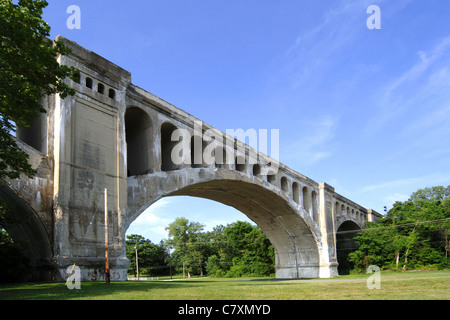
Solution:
(295, 236)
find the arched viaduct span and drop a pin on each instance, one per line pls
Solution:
(115, 135)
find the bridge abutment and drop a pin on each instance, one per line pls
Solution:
(89, 155)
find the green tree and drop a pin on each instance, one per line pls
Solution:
(151, 257)
(246, 250)
(437, 193)
(256, 258)
(28, 71)
(219, 252)
(372, 244)
(413, 234)
(185, 238)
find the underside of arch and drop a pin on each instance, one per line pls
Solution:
(296, 247)
(345, 244)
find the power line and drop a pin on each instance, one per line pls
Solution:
(394, 226)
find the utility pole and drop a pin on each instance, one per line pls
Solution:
(107, 276)
(137, 262)
(170, 264)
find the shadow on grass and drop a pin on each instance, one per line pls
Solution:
(114, 290)
(89, 290)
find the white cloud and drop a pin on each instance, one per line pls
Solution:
(153, 221)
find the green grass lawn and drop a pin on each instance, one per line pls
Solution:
(394, 285)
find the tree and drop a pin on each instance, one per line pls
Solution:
(413, 234)
(236, 250)
(151, 256)
(246, 251)
(437, 193)
(257, 256)
(184, 237)
(29, 70)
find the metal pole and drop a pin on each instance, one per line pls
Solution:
(107, 276)
(170, 264)
(137, 262)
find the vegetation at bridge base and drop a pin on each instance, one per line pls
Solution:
(414, 234)
(236, 250)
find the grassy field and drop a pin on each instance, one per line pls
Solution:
(421, 285)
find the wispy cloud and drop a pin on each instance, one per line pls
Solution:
(424, 86)
(412, 183)
(387, 193)
(315, 51)
(316, 142)
(153, 221)
(394, 197)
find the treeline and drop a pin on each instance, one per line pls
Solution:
(238, 249)
(414, 234)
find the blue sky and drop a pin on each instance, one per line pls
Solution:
(367, 111)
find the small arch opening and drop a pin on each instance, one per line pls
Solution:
(240, 164)
(166, 147)
(315, 209)
(100, 88)
(271, 178)
(306, 200)
(220, 156)
(257, 170)
(36, 134)
(112, 93)
(284, 184)
(89, 83)
(296, 192)
(137, 135)
(197, 148)
(76, 76)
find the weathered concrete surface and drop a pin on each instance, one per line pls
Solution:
(117, 136)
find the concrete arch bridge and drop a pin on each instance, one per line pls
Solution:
(115, 135)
